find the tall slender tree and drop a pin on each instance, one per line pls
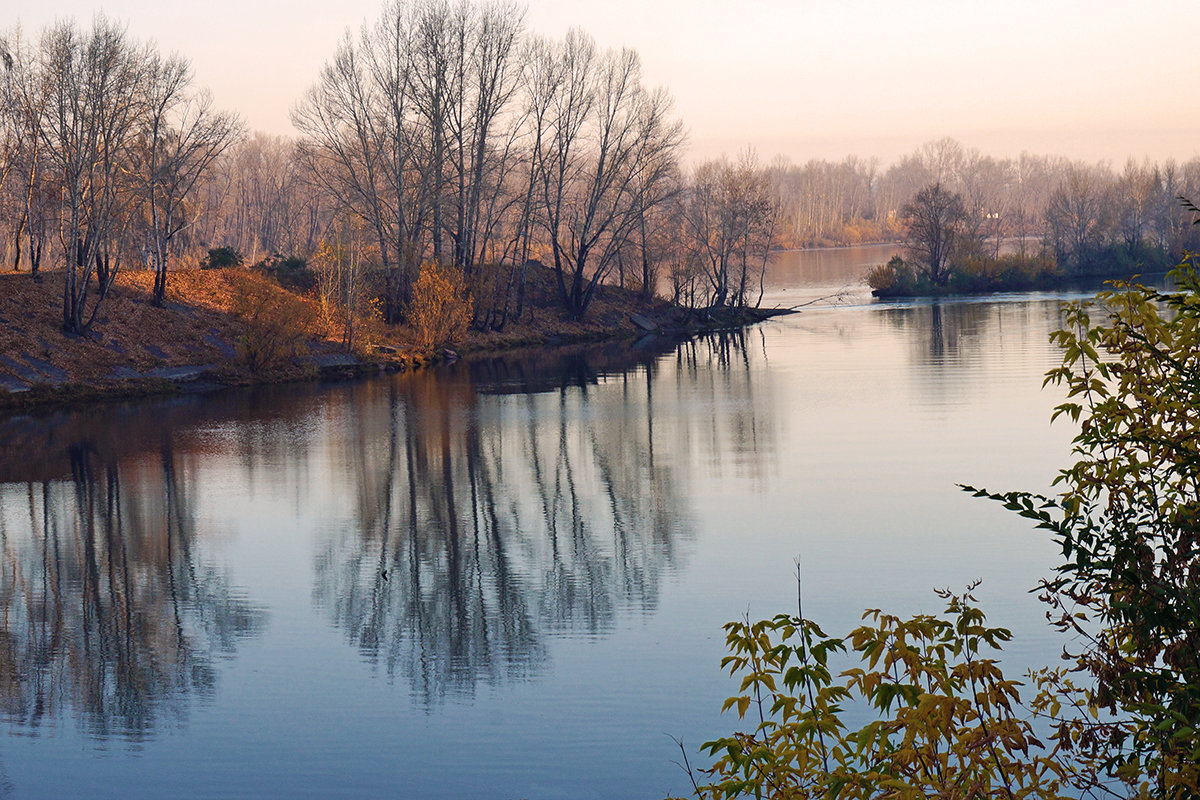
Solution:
(182, 137)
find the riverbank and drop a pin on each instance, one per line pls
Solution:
(230, 327)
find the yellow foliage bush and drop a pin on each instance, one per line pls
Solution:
(948, 724)
(275, 323)
(441, 306)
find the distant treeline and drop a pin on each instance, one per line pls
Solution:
(1083, 214)
(1034, 223)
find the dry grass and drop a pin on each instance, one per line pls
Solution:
(195, 327)
(125, 329)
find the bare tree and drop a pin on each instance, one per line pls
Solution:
(1176, 231)
(438, 46)
(94, 83)
(489, 82)
(182, 138)
(355, 148)
(1139, 202)
(1029, 190)
(656, 184)
(934, 221)
(11, 144)
(540, 79)
(9, 128)
(376, 131)
(655, 230)
(260, 200)
(984, 182)
(823, 202)
(899, 184)
(340, 263)
(943, 160)
(731, 214)
(21, 120)
(1073, 214)
(605, 132)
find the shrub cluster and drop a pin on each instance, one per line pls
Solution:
(221, 258)
(441, 307)
(291, 272)
(275, 324)
(977, 274)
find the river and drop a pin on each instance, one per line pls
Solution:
(505, 578)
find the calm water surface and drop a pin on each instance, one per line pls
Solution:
(504, 579)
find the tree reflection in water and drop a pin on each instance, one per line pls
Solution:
(508, 499)
(476, 511)
(109, 616)
(948, 332)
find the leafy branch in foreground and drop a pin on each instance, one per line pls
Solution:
(947, 723)
(1128, 522)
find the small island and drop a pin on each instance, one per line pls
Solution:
(951, 250)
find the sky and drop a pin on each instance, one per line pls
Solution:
(1099, 80)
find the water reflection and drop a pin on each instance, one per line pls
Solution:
(562, 368)
(509, 499)
(109, 614)
(797, 275)
(464, 517)
(942, 334)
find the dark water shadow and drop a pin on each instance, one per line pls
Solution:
(109, 615)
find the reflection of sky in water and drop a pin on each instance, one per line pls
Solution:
(606, 527)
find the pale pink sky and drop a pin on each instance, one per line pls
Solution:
(803, 78)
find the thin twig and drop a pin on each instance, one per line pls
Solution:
(812, 703)
(686, 766)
